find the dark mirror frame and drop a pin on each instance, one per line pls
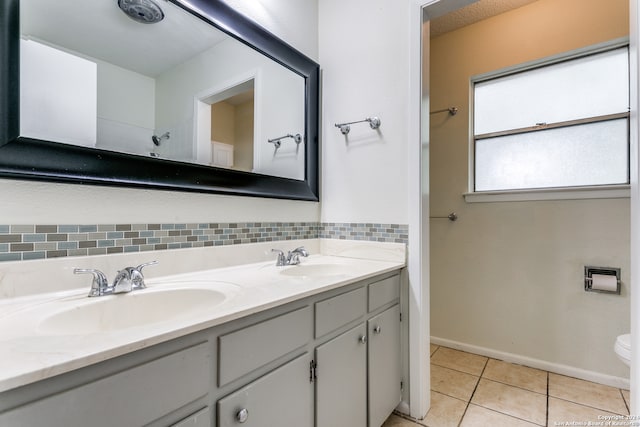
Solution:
(31, 159)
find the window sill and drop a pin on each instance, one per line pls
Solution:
(596, 192)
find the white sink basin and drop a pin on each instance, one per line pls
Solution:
(316, 270)
(123, 311)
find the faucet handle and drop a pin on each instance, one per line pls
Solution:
(301, 250)
(141, 266)
(99, 285)
(294, 256)
(136, 274)
(282, 260)
(122, 283)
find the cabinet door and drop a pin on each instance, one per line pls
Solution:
(202, 418)
(341, 383)
(282, 398)
(384, 365)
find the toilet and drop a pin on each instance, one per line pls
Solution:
(622, 348)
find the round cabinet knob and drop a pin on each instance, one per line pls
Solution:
(243, 415)
(377, 330)
(363, 339)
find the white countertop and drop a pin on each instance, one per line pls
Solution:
(32, 350)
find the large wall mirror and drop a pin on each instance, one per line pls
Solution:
(167, 94)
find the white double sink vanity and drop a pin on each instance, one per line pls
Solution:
(209, 342)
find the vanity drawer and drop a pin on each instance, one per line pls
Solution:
(283, 397)
(384, 292)
(247, 349)
(340, 310)
(134, 397)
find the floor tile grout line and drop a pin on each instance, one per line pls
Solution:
(625, 401)
(507, 415)
(499, 412)
(448, 395)
(461, 351)
(491, 379)
(515, 386)
(547, 416)
(453, 369)
(464, 413)
(587, 406)
(434, 352)
(474, 392)
(467, 403)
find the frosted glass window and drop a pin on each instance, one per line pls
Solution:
(590, 86)
(562, 124)
(589, 154)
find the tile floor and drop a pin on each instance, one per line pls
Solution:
(468, 390)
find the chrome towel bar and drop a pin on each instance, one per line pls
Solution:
(452, 111)
(374, 122)
(277, 141)
(451, 217)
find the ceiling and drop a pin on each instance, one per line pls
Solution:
(99, 29)
(473, 13)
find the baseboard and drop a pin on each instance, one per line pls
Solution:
(556, 368)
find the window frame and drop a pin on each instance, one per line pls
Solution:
(549, 193)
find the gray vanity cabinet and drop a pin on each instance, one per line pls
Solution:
(326, 360)
(341, 392)
(359, 371)
(361, 365)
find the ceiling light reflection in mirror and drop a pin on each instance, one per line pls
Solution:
(176, 89)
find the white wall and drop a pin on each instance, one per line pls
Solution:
(45, 203)
(125, 96)
(57, 95)
(364, 54)
(126, 107)
(369, 55)
(74, 98)
(296, 22)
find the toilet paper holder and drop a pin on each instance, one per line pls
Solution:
(589, 271)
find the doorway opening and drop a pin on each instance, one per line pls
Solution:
(225, 131)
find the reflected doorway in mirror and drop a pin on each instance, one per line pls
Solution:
(225, 124)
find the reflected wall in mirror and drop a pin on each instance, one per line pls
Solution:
(179, 103)
(125, 81)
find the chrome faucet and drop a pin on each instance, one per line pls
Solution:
(127, 280)
(292, 258)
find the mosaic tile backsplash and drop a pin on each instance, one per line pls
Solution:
(29, 242)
